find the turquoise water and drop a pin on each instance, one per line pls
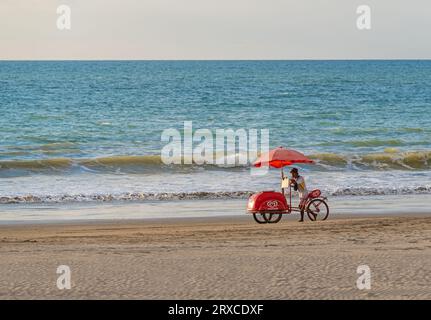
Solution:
(71, 131)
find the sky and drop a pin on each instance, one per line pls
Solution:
(214, 29)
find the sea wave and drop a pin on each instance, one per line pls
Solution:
(222, 195)
(124, 197)
(390, 158)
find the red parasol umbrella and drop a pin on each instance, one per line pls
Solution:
(280, 157)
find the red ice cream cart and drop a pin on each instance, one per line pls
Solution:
(269, 206)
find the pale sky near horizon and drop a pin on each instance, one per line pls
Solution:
(215, 29)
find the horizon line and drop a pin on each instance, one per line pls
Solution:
(185, 60)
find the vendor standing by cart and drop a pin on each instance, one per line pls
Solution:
(298, 184)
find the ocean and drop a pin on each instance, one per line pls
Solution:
(90, 131)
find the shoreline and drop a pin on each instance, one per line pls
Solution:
(171, 210)
(245, 217)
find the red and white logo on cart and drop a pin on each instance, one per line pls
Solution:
(272, 204)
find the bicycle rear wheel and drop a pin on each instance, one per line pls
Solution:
(272, 217)
(259, 218)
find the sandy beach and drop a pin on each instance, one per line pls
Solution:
(219, 258)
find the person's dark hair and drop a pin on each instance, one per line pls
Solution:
(294, 170)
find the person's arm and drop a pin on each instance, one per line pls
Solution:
(294, 184)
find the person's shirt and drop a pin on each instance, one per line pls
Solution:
(302, 188)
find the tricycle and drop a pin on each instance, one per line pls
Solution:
(269, 206)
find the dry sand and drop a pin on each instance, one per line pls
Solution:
(222, 258)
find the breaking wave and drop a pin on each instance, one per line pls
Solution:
(222, 195)
(124, 197)
(390, 158)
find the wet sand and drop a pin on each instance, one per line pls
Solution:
(219, 258)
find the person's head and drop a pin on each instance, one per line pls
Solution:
(294, 172)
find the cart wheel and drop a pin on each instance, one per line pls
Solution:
(317, 209)
(272, 217)
(259, 218)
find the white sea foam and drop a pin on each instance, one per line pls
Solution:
(202, 184)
